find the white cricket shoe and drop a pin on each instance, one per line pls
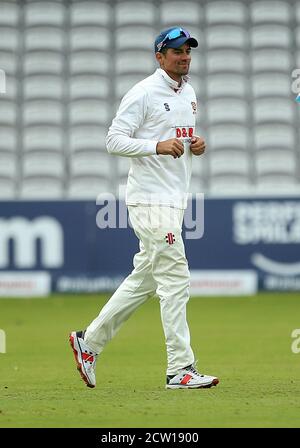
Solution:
(190, 378)
(85, 358)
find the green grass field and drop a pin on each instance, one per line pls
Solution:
(245, 341)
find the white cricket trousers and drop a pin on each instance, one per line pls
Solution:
(160, 267)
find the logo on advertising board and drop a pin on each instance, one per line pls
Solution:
(24, 233)
(223, 282)
(274, 224)
(20, 256)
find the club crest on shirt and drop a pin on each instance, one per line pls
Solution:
(194, 107)
(167, 107)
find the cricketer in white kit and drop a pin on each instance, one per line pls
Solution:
(155, 127)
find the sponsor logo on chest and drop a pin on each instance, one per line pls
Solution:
(184, 131)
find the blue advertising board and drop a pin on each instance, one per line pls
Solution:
(84, 249)
(261, 234)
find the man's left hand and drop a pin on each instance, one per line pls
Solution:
(197, 145)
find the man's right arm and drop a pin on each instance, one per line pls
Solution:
(129, 118)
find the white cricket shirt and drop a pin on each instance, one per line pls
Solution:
(149, 113)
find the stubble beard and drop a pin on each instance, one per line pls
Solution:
(183, 72)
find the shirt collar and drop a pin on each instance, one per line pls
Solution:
(171, 82)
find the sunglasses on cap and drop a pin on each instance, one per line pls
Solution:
(173, 34)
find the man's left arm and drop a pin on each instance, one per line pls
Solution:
(197, 145)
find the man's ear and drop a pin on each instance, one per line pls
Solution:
(159, 57)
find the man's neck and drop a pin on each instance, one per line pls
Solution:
(174, 83)
(175, 77)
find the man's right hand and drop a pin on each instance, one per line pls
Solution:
(172, 147)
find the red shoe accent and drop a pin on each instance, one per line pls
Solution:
(186, 379)
(87, 357)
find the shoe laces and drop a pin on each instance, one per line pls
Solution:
(192, 368)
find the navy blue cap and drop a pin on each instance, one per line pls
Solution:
(174, 37)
